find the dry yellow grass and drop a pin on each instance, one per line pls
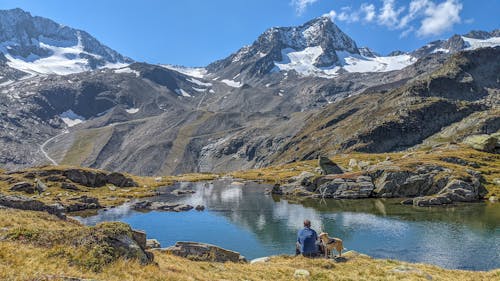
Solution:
(26, 261)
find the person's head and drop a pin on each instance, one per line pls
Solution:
(307, 223)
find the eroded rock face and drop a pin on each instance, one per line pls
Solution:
(204, 252)
(403, 184)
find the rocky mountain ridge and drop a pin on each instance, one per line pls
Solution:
(150, 119)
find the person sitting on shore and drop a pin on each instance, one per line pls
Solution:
(307, 241)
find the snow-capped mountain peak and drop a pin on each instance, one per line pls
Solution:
(38, 45)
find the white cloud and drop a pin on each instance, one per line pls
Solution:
(440, 18)
(423, 17)
(301, 5)
(389, 15)
(369, 11)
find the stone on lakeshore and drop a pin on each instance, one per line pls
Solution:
(152, 244)
(260, 260)
(204, 252)
(199, 208)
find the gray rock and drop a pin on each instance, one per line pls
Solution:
(328, 166)
(86, 177)
(23, 187)
(40, 186)
(183, 208)
(83, 203)
(204, 252)
(152, 244)
(199, 208)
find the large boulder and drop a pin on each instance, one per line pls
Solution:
(86, 177)
(328, 167)
(23, 187)
(488, 143)
(204, 252)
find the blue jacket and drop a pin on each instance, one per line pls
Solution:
(307, 239)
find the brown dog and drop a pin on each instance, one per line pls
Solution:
(330, 243)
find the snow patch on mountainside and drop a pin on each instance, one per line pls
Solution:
(199, 83)
(232, 83)
(127, 70)
(198, 72)
(303, 62)
(132, 110)
(71, 118)
(183, 93)
(481, 43)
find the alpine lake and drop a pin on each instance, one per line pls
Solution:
(240, 216)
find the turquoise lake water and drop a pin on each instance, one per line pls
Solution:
(241, 217)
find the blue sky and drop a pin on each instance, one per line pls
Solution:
(197, 32)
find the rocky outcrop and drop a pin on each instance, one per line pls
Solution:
(26, 203)
(423, 185)
(204, 252)
(97, 179)
(454, 191)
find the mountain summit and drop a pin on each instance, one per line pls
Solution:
(39, 45)
(319, 36)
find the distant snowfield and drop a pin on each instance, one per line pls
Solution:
(62, 61)
(481, 43)
(303, 62)
(71, 118)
